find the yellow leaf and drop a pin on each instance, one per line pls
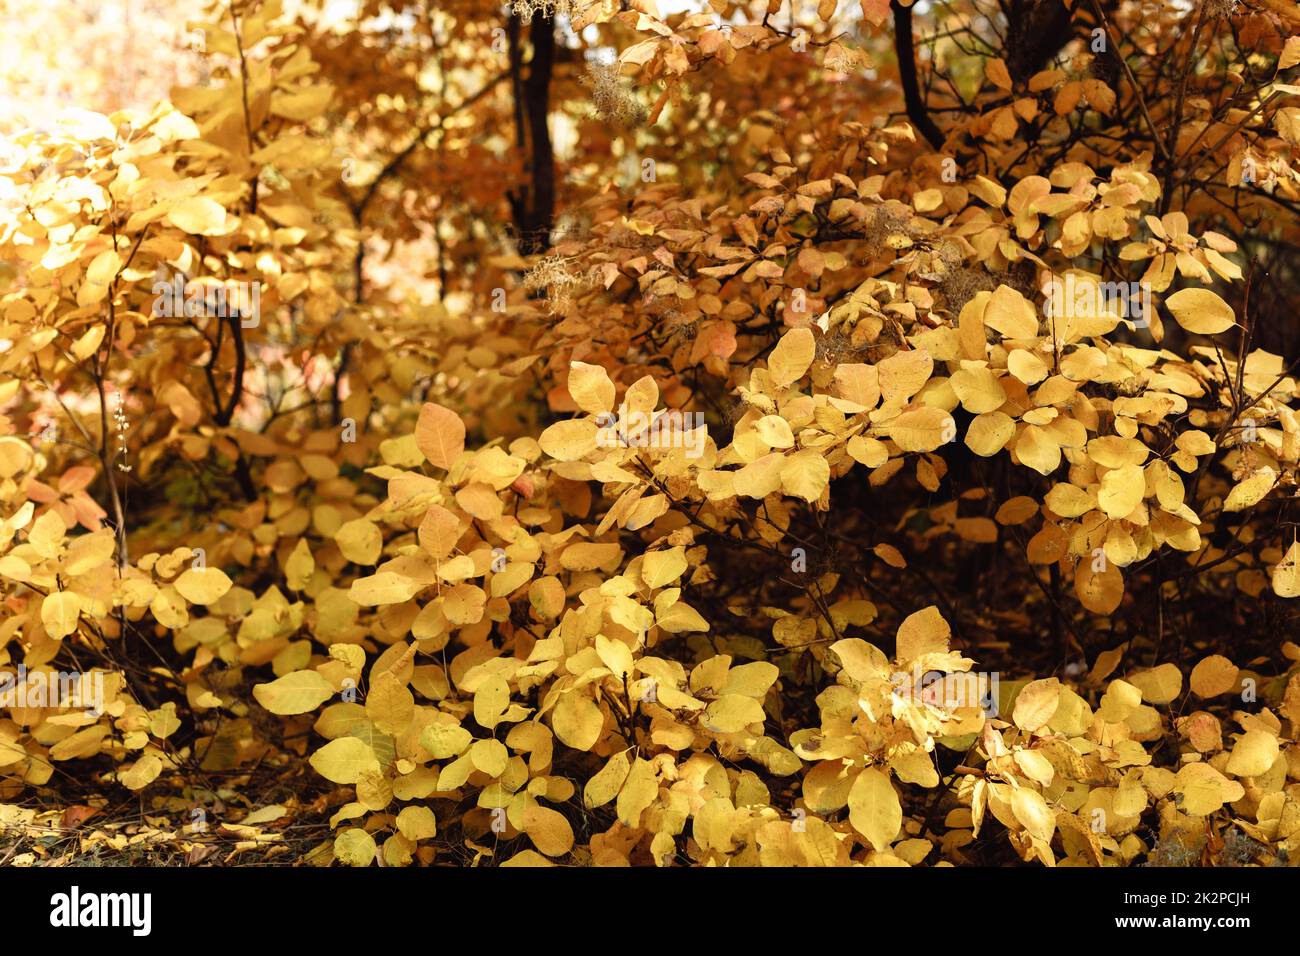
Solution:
(732, 713)
(639, 791)
(874, 810)
(922, 429)
(104, 268)
(89, 552)
(1290, 53)
(678, 617)
(299, 566)
(141, 773)
(549, 831)
(1035, 766)
(163, 722)
(605, 784)
(591, 388)
(867, 451)
(775, 431)
(660, 568)
(923, 632)
(296, 693)
(529, 859)
(752, 680)
(792, 356)
(989, 433)
(491, 700)
(1036, 703)
(389, 704)
(577, 721)
(1251, 491)
(927, 200)
(202, 585)
(1213, 676)
(890, 555)
(1016, 510)
(1011, 314)
(571, 439)
(1122, 490)
(995, 194)
(440, 435)
(84, 743)
(445, 740)
(1201, 311)
(805, 475)
(1036, 450)
(589, 555)
(1034, 814)
(1286, 575)
(1159, 685)
(89, 343)
(59, 613)
(857, 387)
(997, 73)
(1253, 754)
(386, 587)
(47, 533)
(1204, 789)
(489, 756)
(345, 760)
(417, 823)
(302, 104)
(904, 374)
(978, 390)
(1070, 501)
(354, 847)
(439, 531)
(457, 569)
(1027, 366)
(861, 661)
(1098, 591)
(360, 541)
(200, 216)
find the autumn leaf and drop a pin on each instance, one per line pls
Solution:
(296, 693)
(874, 809)
(440, 435)
(203, 585)
(1201, 311)
(791, 357)
(199, 215)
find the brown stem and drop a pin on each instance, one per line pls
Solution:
(912, 98)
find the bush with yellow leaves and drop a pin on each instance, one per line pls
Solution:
(739, 527)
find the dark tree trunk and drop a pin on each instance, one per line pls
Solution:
(532, 203)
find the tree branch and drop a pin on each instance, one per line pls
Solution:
(916, 111)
